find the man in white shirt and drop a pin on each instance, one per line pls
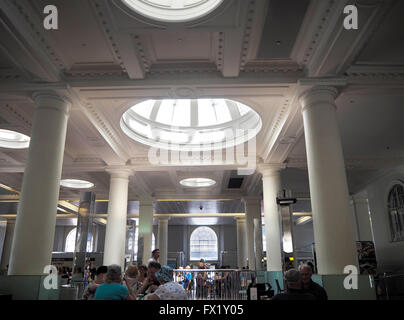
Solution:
(155, 256)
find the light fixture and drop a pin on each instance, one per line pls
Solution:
(197, 182)
(191, 124)
(303, 220)
(173, 11)
(13, 140)
(286, 201)
(76, 184)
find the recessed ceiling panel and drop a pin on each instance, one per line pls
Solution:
(282, 25)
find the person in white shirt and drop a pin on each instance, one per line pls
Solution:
(155, 256)
(168, 288)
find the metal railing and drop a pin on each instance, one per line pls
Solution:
(390, 287)
(215, 284)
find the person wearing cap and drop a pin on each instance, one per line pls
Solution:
(168, 289)
(294, 289)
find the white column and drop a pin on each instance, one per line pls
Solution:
(241, 243)
(258, 249)
(8, 240)
(332, 223)
(362, 216)
(163, 240)
(36, 218)
(115, 233)
(145, 229)
(253, 210)
(271, 186)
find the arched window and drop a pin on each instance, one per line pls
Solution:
(396, 212)
(203, 244)
(71, 241)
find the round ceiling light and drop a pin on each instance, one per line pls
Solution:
(191, 124)
(197, 182)
(13, 139)
(173, 10)
(76, 184)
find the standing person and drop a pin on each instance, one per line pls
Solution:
(188, 279)
(309, 285)
(89, 292)
(294, 289)
(168, 289)
(142, 273)
(112, 289)
(155, 256)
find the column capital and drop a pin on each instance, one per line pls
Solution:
(146, 201)
(252, 200)
(270, 169)
(163, 219)
(119, 172)
(50, 99)
(240, 219)
(318, 94)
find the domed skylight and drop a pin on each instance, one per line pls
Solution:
(173, 10)
(197, 182)
(191, 125)
(76, 184)
(13, 139)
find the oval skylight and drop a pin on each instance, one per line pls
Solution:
(13, 140)
(173, 10)
(76, 184)
(197, 182)
(191, 124)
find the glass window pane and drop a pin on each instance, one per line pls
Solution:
(182, 113)
(222, 111)
(206, 113)
(165, 113)
(203, 244)
(144, 108)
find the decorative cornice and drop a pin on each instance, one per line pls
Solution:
(273, 66)
(183, 68)
(219, 51)
(247, 34)
(38, 31)
(319, 31)
(107, 27)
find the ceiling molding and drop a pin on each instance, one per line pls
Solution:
(36, 53)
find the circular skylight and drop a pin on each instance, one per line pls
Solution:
(191, 124)
(173, 10)
(13, 140)
(76, 184)
(197, 182)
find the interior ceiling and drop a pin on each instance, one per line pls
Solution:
(262, 53)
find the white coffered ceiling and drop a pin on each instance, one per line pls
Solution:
(106, 58)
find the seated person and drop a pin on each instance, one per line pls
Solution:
(168, 289)
(150, 284)
(89, 292)
(309, 285)
(294, 289)
(112, 289)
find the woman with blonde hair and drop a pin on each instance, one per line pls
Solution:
(131, 278)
